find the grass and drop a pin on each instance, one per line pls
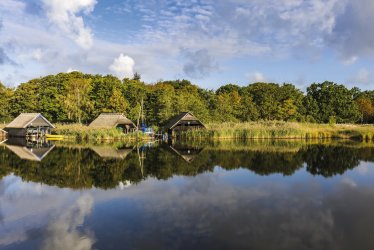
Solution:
(281, 130)
(84, 133)
(231, 130)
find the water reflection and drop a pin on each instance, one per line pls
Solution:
(106, 167)
(63, 233)
(110, 152)
(229, 196)
(29, 150)
(187, 152)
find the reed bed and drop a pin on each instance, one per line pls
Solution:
(84, 133)
(281, 130)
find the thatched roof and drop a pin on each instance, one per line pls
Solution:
(29, 119)
(30, 154)
(111, 152)
(111, 120)
(184, 116)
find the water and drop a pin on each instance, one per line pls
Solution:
(258, 195)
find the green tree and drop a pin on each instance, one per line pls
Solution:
(101, 92)
(117, 103)
(248, 110)
(333, 100)
(265, 98)
(6, 95)
(161, 100)
(77, 102)
(26, 98)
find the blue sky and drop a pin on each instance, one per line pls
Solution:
(208, 42)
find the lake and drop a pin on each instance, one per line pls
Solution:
(228, 195)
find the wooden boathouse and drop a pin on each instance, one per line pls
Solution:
(182, 122)
(28, 125)
(113, 120)
(3, 134)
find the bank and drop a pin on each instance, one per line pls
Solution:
(280, 130)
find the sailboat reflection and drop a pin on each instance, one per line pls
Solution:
(188, 153)
(29, 150)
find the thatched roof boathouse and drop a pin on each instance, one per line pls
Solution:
(29, 124)
(182, 122)
(113, 120)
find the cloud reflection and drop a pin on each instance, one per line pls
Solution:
(64, 232)
(208, 213)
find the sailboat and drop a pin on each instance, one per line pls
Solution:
(143, 127)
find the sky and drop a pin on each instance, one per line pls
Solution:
(209, 42)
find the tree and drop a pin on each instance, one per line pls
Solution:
(102, 90)
(265, 98)
(311, 109)
(25, 98)
(248, 109)
(333, 100)
(117, 103)
(136, 76)
(161, 100)
(80, 97)
(228, 88)
(227, 107)
(77, 102)
(6, 95)
(366, 107)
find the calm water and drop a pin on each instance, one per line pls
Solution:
(270, 195)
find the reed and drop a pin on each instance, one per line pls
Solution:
(81, 132)
(281, 130)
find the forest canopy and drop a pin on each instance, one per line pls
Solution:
(78, 97)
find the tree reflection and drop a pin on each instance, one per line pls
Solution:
(80, 167)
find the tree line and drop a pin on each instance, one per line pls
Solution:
(79, 97)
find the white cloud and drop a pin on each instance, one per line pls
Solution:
(199, 63)
(123, 66)
(37, 54)
(213, 33)
(65, 14)
(13, 5)
(362, 77)
(350, 60)
(256, 77)
(69, 70)
(353, 33)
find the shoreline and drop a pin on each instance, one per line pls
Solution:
(263, 130)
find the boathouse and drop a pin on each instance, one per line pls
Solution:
(3, 134)
(182, 122)
(29, 124)
(113, 120)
